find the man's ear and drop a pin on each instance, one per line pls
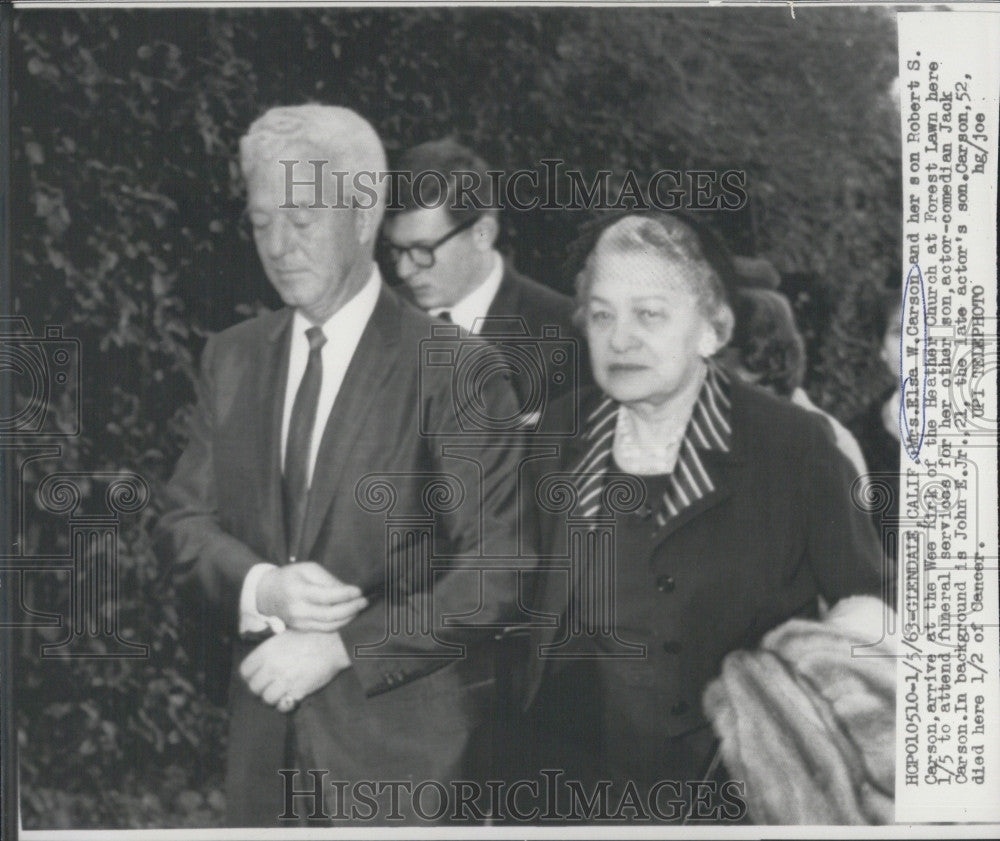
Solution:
(485, 232)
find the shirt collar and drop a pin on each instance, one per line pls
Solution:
(476, 304)
(352, 317)
(708, 429)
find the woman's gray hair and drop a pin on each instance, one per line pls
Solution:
(345, 140)
(679, 245)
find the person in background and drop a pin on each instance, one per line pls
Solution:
(878, 428)
(768, 350)
(443, 248)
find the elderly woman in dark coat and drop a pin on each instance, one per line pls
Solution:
(687, 515)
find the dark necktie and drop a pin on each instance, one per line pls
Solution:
(298, 445)
(445, 316)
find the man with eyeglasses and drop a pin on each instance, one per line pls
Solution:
(441, 236)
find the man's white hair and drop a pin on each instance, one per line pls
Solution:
(337, 135)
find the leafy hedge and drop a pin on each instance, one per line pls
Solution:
(128, 231)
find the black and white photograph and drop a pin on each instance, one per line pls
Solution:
(519, 420)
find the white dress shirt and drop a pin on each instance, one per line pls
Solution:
(475, 306)
(343, 333)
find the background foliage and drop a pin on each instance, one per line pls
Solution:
(128, 231)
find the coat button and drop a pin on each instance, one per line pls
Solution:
(672, 647)
(665, 584)
(679, 708)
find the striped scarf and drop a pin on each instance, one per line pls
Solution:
(708, 429)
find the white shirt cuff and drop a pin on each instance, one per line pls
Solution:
(252, 621)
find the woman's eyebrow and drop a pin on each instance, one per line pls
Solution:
(634, 299)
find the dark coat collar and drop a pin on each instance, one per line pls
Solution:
(701, 477)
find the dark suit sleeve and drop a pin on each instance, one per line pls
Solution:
(842, 547)
(203, 557)
(489, 471)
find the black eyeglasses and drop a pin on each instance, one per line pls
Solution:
(422, 256)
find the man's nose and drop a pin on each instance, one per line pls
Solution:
(276, 240)
(405, 267)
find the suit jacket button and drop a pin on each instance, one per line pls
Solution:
(665, 584)
(679, 708)
(672, 647)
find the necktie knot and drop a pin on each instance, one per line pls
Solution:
(316, 338)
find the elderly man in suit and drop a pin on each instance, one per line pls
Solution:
(441, 235)
(315, 426)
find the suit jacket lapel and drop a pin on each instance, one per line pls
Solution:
(706, 466)
(721, 467)
(375, 358)
(592, 459)
(271, 383)
(702, 476)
